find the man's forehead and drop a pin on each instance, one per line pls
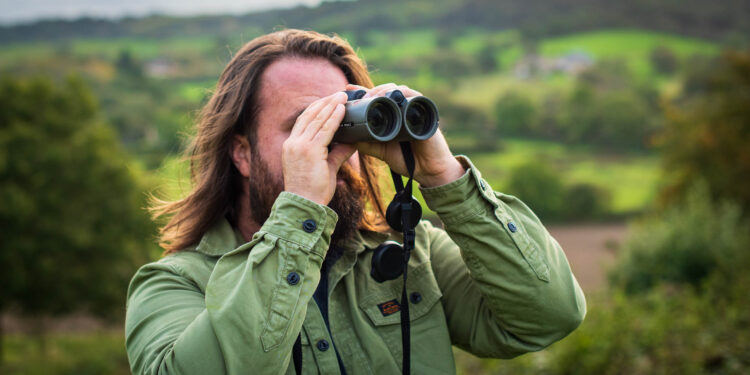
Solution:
(295, 76)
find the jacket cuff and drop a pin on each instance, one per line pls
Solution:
(301, 221)
(457, 201)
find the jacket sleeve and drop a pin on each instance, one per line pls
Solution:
(507, 286)
(254, 304)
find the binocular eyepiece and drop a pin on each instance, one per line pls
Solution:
(387, 118)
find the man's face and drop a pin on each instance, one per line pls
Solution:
(288, 86)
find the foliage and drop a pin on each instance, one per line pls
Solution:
(683, 245)
(541, 187)
(537, 18)
(90, 353)
(664, 331)
(664, 60)
(459, 119)
(708, 131)
(607, 109)
(586, 201)
(515, 113)
(72, 222)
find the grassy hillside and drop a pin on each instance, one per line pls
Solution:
(631, 179)
(634, 46)
(724, 20)
(411, 57)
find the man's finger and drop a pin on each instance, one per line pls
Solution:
(315, 124)
(313, 110)
(304, 119)
(326, 132)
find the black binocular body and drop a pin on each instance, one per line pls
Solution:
(387, 118)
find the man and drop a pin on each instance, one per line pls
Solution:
(274, 243)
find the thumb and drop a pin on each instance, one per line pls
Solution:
(340, 153)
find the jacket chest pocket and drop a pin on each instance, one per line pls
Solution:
(381, 304)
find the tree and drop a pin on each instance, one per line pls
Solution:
(486, 58)
(540, 187)
(515, 114)
(607, 109)
(71, 222)
(664, 60)
(458, 119)
(708, 132)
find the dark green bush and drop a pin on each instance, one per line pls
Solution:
(540, 186)
(585, 201)
(664, 60)
(667, 330)
(515, 114)
(683, 245)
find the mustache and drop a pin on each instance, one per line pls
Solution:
(352, 179)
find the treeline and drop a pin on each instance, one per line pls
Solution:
(72, 219)
(607, 108)
(726, 21)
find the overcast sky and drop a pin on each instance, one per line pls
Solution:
(21, 11)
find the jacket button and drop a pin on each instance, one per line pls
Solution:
(323, 345)
(292, 278)
(415, 298)
(512, 227)
(309, 225)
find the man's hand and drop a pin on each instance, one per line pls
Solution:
(434, 163)
(309, 167)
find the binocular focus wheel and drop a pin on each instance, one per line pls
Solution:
(393, 214)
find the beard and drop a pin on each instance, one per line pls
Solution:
(347, 201)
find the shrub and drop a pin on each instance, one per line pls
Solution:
(585, 201)
(540, 187)
(515, 114)
(664, 60)
(683, 245)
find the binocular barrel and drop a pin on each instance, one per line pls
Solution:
(387, 118)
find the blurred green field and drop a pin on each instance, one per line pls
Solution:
(89, 353)
(631, 179)
(633, 46)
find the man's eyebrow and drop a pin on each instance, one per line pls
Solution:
(293, 118)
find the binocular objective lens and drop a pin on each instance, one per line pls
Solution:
(419, 118)
(380, 119)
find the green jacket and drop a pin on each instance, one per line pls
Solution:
(494, 283)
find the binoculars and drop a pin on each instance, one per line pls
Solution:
(387, 118)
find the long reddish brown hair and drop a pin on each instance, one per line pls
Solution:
(232, 109)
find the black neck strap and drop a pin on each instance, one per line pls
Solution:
(404, 194)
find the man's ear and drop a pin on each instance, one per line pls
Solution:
(240, 153)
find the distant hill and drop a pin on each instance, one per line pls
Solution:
(723, 20)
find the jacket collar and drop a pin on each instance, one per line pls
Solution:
(220, 239)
